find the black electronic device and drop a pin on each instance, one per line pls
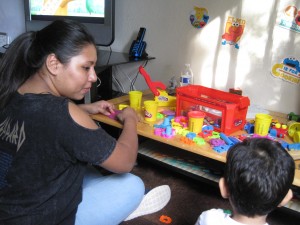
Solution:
(138, 46)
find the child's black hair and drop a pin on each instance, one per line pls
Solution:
(259, 173)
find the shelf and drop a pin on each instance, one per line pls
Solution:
(188, 164)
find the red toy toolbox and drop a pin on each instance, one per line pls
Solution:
(225, 111)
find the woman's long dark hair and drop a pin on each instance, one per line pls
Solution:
(28, 52)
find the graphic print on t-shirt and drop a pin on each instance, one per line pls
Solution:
(12, 136)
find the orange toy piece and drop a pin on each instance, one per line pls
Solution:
(186, 140)
(165, 219)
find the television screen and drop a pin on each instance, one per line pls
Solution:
(96, 15)
(87, 10)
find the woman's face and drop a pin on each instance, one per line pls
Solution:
(75, 78)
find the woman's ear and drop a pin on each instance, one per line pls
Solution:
(223, 188)
(286, 199)
(52, 64)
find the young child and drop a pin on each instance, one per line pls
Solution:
(257, 179)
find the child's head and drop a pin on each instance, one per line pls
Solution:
(258, 176)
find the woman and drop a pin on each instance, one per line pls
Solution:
(48, 143)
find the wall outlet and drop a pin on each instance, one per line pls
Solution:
(3, 39)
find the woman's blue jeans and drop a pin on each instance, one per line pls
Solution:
(108, 200)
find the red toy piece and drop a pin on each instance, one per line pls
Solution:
(281, 130)
(152, 85)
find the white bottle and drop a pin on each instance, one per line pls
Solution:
(187, 76)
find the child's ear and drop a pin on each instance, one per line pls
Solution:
(286, 199)
(223, 188)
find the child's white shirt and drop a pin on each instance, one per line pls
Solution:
(217, 217)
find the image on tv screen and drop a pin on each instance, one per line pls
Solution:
(76, 8)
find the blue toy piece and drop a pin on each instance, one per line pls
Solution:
(283, 144)
(273, 132)
(191, 135)
(165, 123)
(208, 127)
(168, 130)
(221, 149)
(226, 139)
(295, 146)
(249, 128)
(234, 140)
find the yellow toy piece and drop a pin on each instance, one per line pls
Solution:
(164, 99)
(294, 131)
(122, 106)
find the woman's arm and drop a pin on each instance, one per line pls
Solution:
(124, 155)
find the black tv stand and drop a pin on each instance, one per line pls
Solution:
(106, 60)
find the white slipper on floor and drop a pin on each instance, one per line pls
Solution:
(152, 202)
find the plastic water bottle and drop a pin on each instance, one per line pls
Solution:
(187, 76)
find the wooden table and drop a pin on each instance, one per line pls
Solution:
(146, 129)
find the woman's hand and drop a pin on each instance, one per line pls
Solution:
(103, 107)
(128, 113)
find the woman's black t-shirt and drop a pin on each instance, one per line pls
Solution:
(43, 155)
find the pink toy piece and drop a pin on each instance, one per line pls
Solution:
(168, 112)
(165, 132)
(182, 120)
(158, 131)
(216, 142)
(259, 136)
(114, 115)
(179, 119)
